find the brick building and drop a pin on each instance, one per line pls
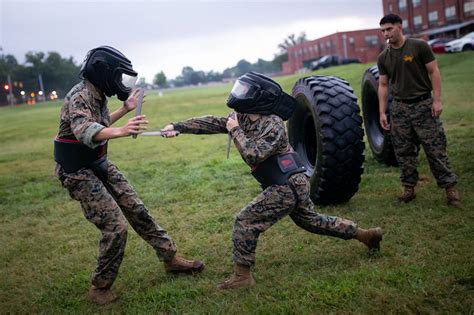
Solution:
(364, 45)
(433, 18)
(421, 18)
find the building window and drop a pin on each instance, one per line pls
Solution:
(351, 40)
(402, 5)
(417, 21)
(405, 25)
(433, 18)
(390, 8)
(416, 3)
(372, 40)
(451, 13)
(469, 8)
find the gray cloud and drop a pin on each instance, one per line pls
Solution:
(73, 27)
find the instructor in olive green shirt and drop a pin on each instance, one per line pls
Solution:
(410, 68)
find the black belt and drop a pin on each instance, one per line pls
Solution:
(414, 100)
(72, 156)
(276, 169)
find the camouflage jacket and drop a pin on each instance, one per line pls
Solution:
(84, 114)
(256, 140)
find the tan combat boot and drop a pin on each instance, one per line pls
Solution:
(408, 194)
(242, 278)
(180, 265)
(452, 197)
(371, 237)
(101, 296)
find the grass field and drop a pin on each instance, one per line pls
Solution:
(48, 249)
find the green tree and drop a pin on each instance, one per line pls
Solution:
(243, 66)
(160, 79)
(8, 67)
(279, 59)
(59, 74)
(264, 66)
(214, 76)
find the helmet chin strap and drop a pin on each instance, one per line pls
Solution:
(123, 96)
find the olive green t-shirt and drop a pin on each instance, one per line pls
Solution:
(405, 68)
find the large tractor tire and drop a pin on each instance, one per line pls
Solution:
(326, 131)
(379, 139)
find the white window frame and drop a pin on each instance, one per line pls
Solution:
(469, 8)
(402, 5)
(371, 40)
(450, 12)
(405, 24)
(433, 16)
(417, 20)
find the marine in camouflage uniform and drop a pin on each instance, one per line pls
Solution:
(107, 199)
(411, 69)
(256, 141)
(413, 124)
(258, 138)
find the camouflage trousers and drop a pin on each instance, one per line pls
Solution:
(412, 125)
(273, 204)
(109, 207)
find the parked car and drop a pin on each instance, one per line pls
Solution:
(438, 45)
(331, 60)
(346, 61)
(464, 43)
(324, 62)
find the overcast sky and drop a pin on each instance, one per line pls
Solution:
(168, 35)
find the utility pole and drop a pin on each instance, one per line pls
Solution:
(40, 79)
(344, 44)
(10, 90)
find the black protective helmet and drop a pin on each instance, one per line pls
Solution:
(254, 93)
(109, 70)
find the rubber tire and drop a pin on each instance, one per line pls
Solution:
(380, 141)
(326, 131)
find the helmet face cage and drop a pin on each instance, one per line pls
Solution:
(128, 81)
(124, 80)
(243, 89)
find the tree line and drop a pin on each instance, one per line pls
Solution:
(59, 74)
(189, 76)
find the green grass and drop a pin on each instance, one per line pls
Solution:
(48, 250)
